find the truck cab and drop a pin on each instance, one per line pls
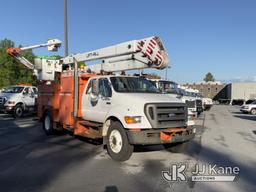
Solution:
(131, 99)
(17, 99)
(194, 95)
(124, 111)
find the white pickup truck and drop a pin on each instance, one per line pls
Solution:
(18, 99)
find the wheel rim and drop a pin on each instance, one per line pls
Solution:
(253, 111)
(115, 141)
(47, 123)
(18, 112)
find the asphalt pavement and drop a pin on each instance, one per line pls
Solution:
(32, 161)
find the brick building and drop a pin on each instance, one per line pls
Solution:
(214, 90)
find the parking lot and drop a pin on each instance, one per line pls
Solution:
(32, 161)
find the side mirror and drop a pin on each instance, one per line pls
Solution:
(32, 95)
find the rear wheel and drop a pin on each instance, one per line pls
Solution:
(48, 123)
(118, 146)
(18, 111)
(253, 111)
(177, 147)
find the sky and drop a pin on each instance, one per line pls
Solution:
(217, 36)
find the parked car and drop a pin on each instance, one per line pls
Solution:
(249, 108)
(18, 99)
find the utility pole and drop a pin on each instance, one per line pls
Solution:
(166, 71)
(65, 28)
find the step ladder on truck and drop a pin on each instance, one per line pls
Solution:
(93, 102)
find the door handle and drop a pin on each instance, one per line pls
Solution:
(108, 103)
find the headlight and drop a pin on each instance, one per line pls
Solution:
(191, 117)
(11, 102)
(132, 119)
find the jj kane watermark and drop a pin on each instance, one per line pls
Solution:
(201, 173)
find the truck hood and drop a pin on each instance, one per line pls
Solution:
(143, 98)
(10, 96)
(7, 95)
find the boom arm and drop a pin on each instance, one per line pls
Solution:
(52, 44)
(136, 54)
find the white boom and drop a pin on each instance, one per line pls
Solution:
(136, 54)
(52, 44)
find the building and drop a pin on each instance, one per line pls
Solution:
(226, 92)
(209, 89)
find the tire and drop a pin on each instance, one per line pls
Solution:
(253, 111)
(118, 146)
(48, 123)
(18, 111)
(177, 147)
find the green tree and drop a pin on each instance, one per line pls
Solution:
(11, 71)
(209, 77)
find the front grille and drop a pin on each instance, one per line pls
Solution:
(199, 105)
(199, 102)
(2, 100)
(191, 104)
(166, 115)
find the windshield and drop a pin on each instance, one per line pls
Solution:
(133, 85)
(182, 92)
(13, 89)
(254, 102)
(168, 87)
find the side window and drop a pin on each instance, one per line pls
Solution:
(89, 87)
(26, 91)
(35, 90)
(104, 88)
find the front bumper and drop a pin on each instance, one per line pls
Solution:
(6, 109)
(199, 109)
(245, 110)
(161, 136)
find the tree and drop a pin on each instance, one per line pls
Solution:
(11, 71)
(209, 77)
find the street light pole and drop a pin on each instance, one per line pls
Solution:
(166, 70)
(65, 28)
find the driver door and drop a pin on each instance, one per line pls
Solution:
(28, 97)
(97, 100)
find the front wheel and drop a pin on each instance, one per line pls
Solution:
(18, 111)
(253, 111)
(177, 147)
(118, 146)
